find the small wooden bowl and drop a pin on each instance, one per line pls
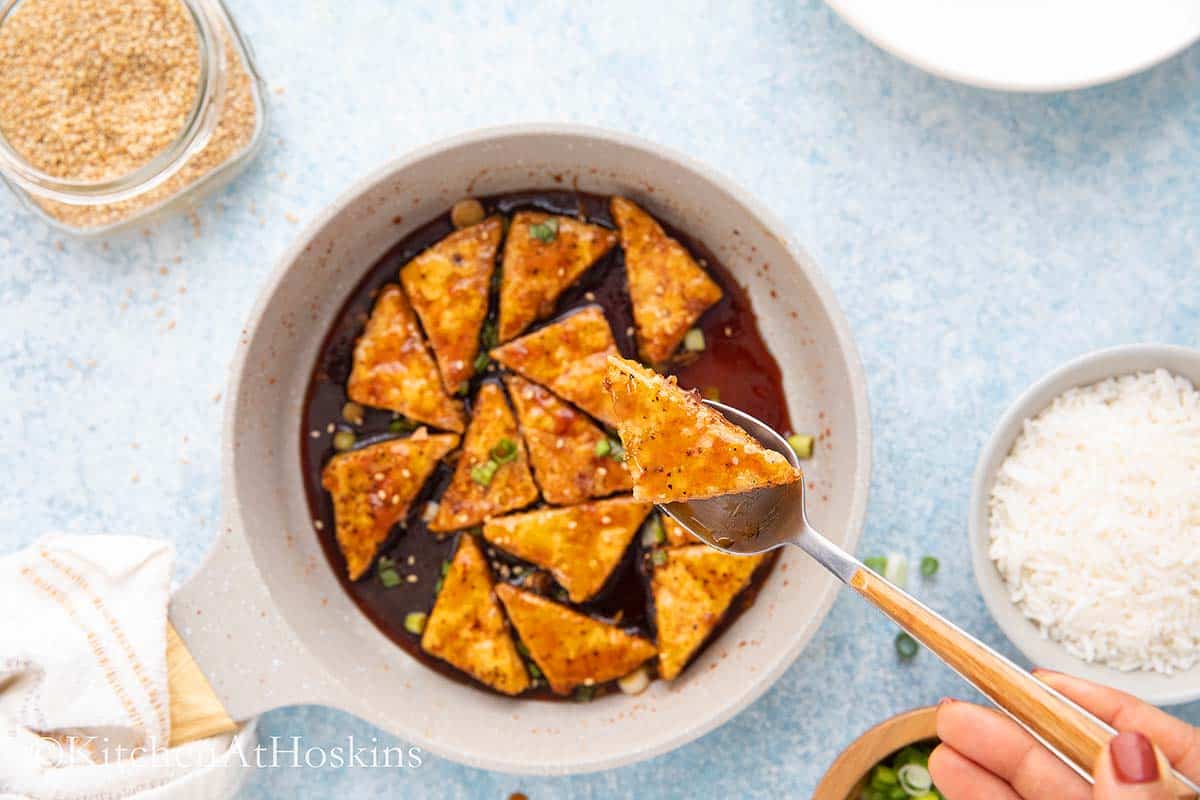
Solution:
(843, 780)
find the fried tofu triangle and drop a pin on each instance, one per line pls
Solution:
(448, 285)
(692, 589)
(543, 255)
(393, 370)
(571, 649)
(492, 474)
(563, 446)
(467, 627)
(678, 448)
(580, 545)
(569, 357)
(373, 487)
(669, 290)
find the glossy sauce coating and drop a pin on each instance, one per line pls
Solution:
(736, 363)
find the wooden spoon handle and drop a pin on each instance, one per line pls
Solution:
(1074, 734)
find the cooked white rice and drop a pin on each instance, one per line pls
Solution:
(1095, 522)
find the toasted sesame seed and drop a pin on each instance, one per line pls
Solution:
(411, 578)
(318, 524)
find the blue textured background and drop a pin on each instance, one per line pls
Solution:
(974, 239)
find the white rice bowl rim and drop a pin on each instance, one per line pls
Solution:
(1153, 687)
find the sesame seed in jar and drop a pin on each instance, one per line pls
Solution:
(94, 90)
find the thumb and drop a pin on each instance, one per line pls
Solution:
(1131, 768)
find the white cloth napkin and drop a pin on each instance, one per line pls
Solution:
(84, 708)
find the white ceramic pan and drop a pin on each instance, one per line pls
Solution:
(265, 617)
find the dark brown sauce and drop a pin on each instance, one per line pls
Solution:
(735, 363)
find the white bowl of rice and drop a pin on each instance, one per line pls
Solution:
(1085, 521)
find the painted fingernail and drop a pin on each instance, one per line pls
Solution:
(1133, 758)
(945, 701)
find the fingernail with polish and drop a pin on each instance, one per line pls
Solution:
(1133, 758)
(945, 701)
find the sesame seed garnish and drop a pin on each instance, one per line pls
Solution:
(315, 434)
(318, 524)
(411, 578)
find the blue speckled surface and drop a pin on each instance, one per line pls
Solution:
(974, 239)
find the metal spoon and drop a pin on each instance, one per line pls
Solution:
(762, 520)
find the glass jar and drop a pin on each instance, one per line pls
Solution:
(222, 132)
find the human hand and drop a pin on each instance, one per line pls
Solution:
(986, 756)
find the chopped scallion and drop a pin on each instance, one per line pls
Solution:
(482, 360)
(896, 570)
(616, 450)
(659, 557)
(534, 672)
(485, 472)
(489, 337)
(802, 444)
(385, 568)
(544, 231)
(929, 566)
(906, 646)
(344, 440)
(653, 533)
(603, 447)
(414, 622)
(402, 425)
(876, 564)
(504, 451)
(693, 340)
(585, 693)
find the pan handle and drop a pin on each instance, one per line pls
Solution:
(238, 638)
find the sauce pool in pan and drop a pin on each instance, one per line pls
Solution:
(735, 366)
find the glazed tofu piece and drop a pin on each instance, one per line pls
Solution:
(572, 458)
(678, 448)
(571, 649)
(448, 285)
(692, 588)
(467, 627)
(492, 473)
(569, 357)
(579, 545)
(543, 255)
(373, 488)
(393, 368)
(669, 290)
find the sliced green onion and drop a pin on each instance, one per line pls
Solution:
(659, 557)
(482, 360)
(344, 440)
(585, 693)
(534, 671)
(504, 451)
(445, 568)
(906, 646)
(437, 587)
(544, 231)
(414, 622)
(353, 413)
(522, 649)
(653, 533)
(883, 777)
(876, 564)
(693, 340)
(929, 566)
(603, 447)
(402, 425)
(914, 779)
(386, 570)
(616, 450)
(489, 337)
(802, 443)
(897, 569)
(483, 473)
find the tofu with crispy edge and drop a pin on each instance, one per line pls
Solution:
(571, 649)
(476, 491)
(678, 448)
(373, 488)
(569, 357)
(467, 627)
(543, 255)
(579, 545)
(393, 369)
(448, 285)
(669, 290)
(563, 447)
(692, 588)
